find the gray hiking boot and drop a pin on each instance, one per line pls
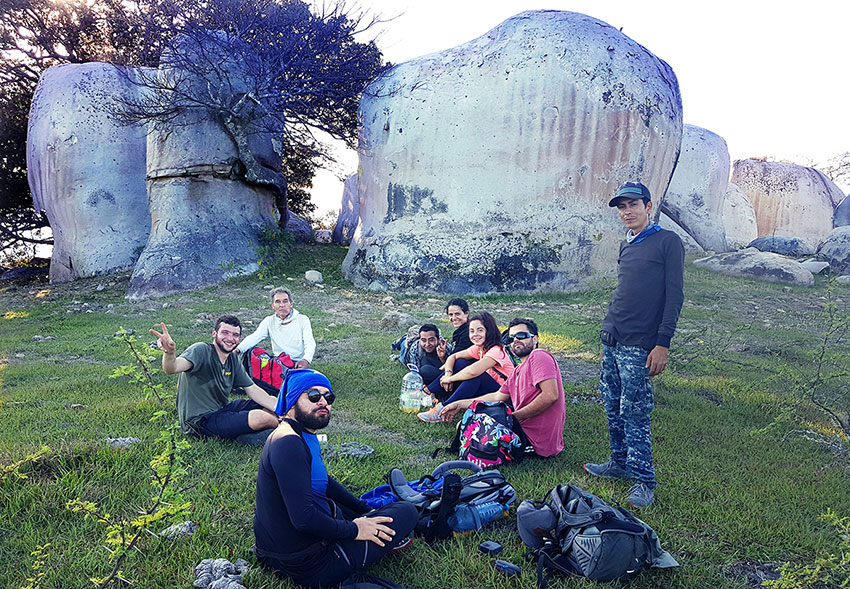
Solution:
(610, 470)
(641, 495)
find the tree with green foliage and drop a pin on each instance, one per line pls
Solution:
(307, 68)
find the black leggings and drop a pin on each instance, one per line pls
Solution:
(348, 556)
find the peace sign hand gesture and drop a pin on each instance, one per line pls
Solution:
(164, 341)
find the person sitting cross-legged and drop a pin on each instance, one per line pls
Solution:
(480, 369)
(534, 390)
(208, 373)
(307, 526)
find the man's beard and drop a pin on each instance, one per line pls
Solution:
(525, 351)
(219, 343)
(310, 420)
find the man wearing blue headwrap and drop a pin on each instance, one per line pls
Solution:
(307, 526)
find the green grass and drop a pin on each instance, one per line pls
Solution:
(728, 495)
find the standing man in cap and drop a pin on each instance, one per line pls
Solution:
(636, 335)
(308, 527)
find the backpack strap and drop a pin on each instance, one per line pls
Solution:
(452, 465)
(438, 528)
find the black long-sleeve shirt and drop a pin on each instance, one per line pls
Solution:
(649, 293)
(287, 521)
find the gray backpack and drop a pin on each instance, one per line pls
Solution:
(576, 532)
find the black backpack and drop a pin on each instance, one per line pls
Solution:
(443, 490)
(575, 532)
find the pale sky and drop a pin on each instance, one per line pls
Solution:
(771, 78)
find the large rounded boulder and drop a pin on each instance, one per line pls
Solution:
(841, 216)
(789, 200)
(739, 218)
(489, 166)
(697, 190)
(86, 170)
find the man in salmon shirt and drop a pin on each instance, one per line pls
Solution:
(534, 389)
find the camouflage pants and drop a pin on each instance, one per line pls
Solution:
(627, 393)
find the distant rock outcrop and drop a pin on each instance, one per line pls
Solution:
(789, 200)
(695, 197)
(739, 218)
(751, 263)
(488, 166)
(836, 249)
(349, 212)
(87, 171)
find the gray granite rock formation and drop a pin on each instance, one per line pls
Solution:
(697, 190)
(349, 212)
(739, 218)
(836, 249)
(489, 166)
(87, 171)
(765, 266)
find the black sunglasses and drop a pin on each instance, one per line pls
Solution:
(315, 394)
(509, 339)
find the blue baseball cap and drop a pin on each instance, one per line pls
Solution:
(631, 191)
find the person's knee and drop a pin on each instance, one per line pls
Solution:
(259, 419)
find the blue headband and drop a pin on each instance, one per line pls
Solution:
(296, 382)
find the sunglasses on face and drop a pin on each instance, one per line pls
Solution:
(314, 395)
(509, 339)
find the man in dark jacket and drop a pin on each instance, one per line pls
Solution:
(307, 526)
(636, 337)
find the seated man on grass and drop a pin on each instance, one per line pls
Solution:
(423, 354)
(208, 372)
(534, 390)
(288, 330)
(307, 526)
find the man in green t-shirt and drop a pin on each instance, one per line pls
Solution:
(208, 372)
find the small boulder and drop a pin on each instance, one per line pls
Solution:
(322, 236)
(814, 266)
(843, 279)
(313, 277)
(836, 249)
(220, 573)
(786, 246)
(751, 263)
(121, 443)
(181, 530)
(396, 320)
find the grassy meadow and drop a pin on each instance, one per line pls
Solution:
(740, 489)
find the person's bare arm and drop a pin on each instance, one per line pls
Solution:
(548, 396)
(171, 364)
(261, 397)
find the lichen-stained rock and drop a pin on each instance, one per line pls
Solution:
(695, 197)
(739, 218)
(841, 216)
(349, 212)
(789, 200)
(691, 246)
(751, 263)
(836, 249)
(87, 171)
(213, 181)
(489, 166)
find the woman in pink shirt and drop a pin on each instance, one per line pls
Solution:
(475, 371)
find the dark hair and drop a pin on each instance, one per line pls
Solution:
(230, 320)
(529, 323)
(430, 327)
(492, 337)
(457, 302)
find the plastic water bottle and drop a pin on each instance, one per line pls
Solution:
(411, 391)
(467, 518)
